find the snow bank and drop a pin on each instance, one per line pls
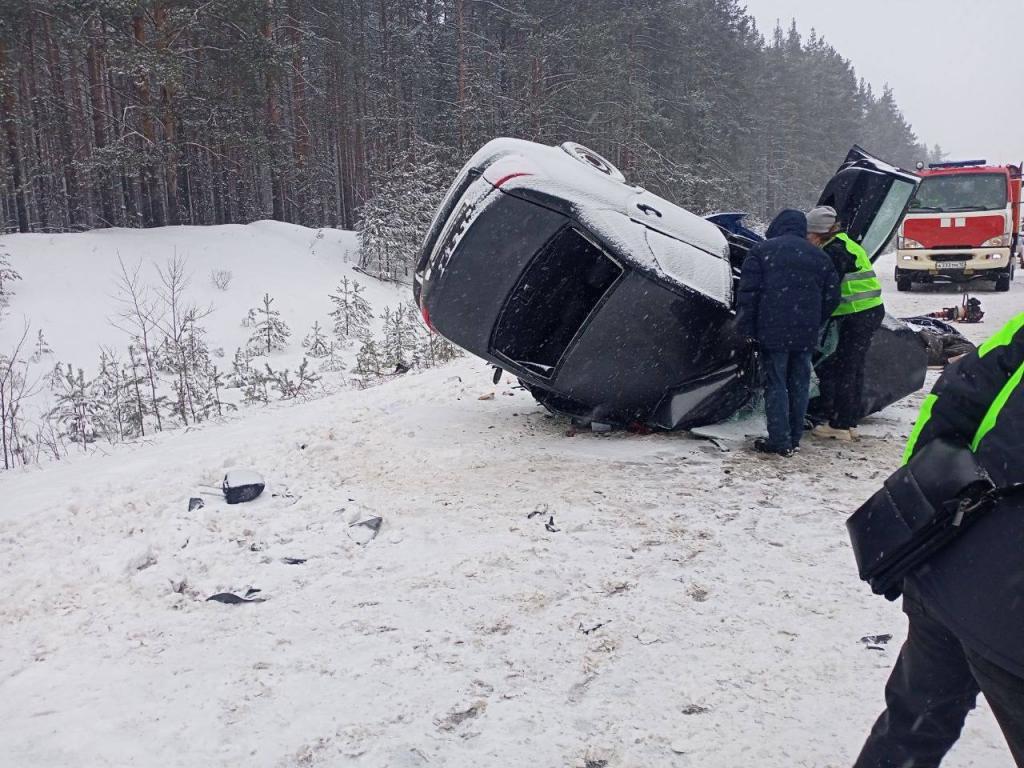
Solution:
(69, 284)
(69, 280)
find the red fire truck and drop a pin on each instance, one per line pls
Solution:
(963, 225)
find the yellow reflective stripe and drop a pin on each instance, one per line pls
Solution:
(989, 422)
(860, 276)
(923, 418)
(854, 298)
(1004, 337)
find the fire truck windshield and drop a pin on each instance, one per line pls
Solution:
(961, 192)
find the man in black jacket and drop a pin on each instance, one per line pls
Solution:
(966, 603)
(788, 288)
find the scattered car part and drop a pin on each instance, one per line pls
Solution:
(241, 485)
(229, 598)
(364, 531)
(944, 342)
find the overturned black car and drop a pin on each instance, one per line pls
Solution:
(611, 304)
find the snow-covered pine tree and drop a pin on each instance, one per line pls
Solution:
(394, 220)
(289, 388)
(241, 367)
(305, 378)
(15, 386)
(368, 362)
(333, 361)
(110, 391)
(135, 379)
(7, 276)
(270, 331)
(352, 312)
(76, 408)
(199, 366)
(137, 317)
(316, 343)
(255, 387)
(213, 405)
(399, 340)
(41, 349)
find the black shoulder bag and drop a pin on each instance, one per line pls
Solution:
(922, 506)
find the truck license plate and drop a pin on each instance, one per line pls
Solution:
(952, 264)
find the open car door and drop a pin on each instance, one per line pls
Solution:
(871, 198)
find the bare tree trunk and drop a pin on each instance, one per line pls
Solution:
(152, 207)
(9, 102)
(170, 121)
(273, 113)
(66, 142)
(460, 22)
(97, 104)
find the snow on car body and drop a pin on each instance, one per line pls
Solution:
(608, 302)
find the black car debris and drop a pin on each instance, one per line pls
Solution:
(611, 304)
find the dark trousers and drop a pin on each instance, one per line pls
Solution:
(932, 688)
(787, 382)
(841, 377)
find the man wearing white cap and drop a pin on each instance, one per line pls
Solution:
(859, 314)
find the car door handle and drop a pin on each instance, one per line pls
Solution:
(648, 209)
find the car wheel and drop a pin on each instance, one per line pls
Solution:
(590, 158)
(903, 282)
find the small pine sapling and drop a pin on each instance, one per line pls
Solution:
(316, 343)
(352, 312)
(41, 349)
(270, 332)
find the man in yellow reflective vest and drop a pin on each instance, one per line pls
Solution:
(859, 314)
(965, 605)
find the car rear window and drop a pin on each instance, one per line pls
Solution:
(552, 300)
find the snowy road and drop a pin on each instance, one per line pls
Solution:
(692, 607)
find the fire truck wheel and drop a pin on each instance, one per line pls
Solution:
(903, 282)
(1003, 281)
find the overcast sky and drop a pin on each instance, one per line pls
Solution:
(955, 65)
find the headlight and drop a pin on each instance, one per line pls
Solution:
(997, 242)
(907, 243)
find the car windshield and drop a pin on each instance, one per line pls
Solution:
(961, 192)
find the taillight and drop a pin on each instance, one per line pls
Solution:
(509, 177)
(426, 316)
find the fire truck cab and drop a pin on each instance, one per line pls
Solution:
(963, 225)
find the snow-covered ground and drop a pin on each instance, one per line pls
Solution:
(692, 607)
(70, 283)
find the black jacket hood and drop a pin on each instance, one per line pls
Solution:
(788, 222)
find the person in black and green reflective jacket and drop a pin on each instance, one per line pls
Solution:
(859, 314)
(966, 603)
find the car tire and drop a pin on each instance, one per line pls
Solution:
(1003, 281)
(903, 282)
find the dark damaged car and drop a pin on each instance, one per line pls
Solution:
(611, 304)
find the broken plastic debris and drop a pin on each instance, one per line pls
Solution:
(242, 485)
(364, 531)
(876, 639)
(229, 598)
